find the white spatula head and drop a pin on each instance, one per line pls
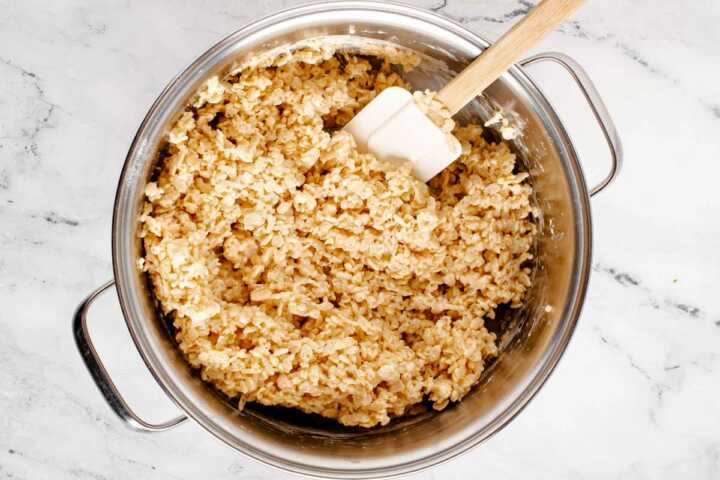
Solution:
(393, 128)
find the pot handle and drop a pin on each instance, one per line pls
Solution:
(101, 376)
(599, 110)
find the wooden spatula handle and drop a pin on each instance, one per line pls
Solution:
(495, 60)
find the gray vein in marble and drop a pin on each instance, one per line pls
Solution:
(658, 387)
(235, 468)
(712, 108)
(131, 461)
(90, 413)
(574, 29)
(97, 29)
(707, 363)
(9, 475)
(32, 241)
(525, 7)
(148, 467)
(621, 277)
(42, 123)
(635, 56)
(442, 5)
(691, 311)
(627, 280)
(571, 27)
(56, 219)
(629, 357)
(716, 110)
(81, 473)
(229, 14)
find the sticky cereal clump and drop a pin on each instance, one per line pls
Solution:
(303, 273)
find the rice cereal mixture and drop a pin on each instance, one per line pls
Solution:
(302, 273)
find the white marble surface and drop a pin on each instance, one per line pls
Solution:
(637, 395)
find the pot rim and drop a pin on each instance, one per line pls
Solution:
(549, 359)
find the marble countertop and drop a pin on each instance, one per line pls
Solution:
(637, 395)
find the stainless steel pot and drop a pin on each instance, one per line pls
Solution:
(533, 341)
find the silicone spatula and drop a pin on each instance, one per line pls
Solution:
(393, 127)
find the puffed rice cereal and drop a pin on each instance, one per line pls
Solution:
(300, 272)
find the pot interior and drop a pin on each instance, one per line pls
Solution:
(532, 338)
